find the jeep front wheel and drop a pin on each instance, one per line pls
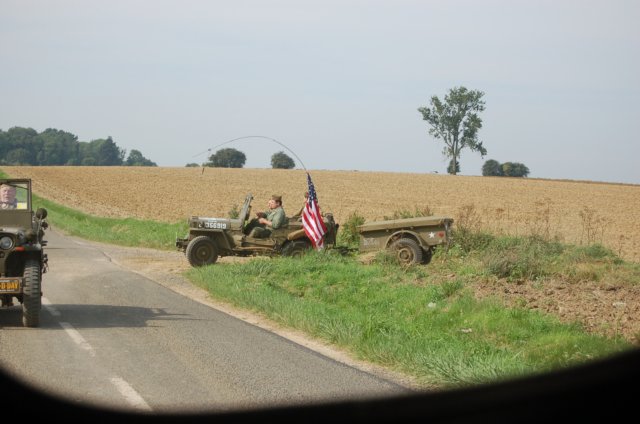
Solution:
(296, 248)
(31, 295)
(407, 251)
(201, 251)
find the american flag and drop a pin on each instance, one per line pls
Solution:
(312, 219)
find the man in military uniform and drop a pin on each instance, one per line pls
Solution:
(8, 197)
(265, 222)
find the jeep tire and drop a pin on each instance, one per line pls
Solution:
(296, 248)
(31, 294)
(201, 251)
(407, 251)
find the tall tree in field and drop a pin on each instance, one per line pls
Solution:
(456, 122)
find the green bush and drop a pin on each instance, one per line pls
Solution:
(234, 212)
(517, 258)
(514, 265)
(468, 240)
(594, 251)
(349, 233)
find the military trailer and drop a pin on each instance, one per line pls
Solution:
(22, 257)
(413, 240)
(210, 238)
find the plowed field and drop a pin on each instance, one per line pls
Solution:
(572, 211)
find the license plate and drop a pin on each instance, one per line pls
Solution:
(10, 285)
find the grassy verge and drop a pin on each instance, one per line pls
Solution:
(423, 321)
(126, 232)
(413, 320)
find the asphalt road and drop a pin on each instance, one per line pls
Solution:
(113, 338)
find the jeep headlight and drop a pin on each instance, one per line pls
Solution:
(6, 243)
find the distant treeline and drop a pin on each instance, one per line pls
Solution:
(25, 146)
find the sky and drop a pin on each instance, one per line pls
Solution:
(338, 83)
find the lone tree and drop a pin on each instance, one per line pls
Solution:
(227, 158)
(456, 122)
(281, 160)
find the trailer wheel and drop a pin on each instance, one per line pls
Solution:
(201, 251)
(407, 251)
(31, 294)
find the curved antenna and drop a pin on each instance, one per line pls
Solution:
(254, 136)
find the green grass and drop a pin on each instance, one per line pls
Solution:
(405, 319)
(125, 232)
(423, 321)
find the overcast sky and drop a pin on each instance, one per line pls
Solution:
(337, 82)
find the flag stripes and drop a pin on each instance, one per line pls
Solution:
(312, 220)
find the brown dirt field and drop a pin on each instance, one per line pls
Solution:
(573, 211)
(578, 212)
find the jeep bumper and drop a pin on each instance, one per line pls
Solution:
(181, 243)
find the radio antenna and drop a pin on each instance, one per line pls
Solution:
(254, 136)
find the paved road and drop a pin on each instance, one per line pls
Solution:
(113, 338)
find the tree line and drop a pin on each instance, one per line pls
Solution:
(454, 120)
(25, 146)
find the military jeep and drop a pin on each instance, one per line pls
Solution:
(22, 258)
(210, 238)
(412, 240)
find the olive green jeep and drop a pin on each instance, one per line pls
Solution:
(210, 238)
(22, 257)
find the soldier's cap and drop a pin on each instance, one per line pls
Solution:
(277, 198)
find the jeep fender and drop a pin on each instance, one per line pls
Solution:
(17, 258)
(219, 237)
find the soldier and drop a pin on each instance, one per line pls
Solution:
(8, 197)
(265, 222)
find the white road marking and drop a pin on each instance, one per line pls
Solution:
(77, 338)
(130, 395)
(49, 307)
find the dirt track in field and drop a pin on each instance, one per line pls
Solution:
(572, 211)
